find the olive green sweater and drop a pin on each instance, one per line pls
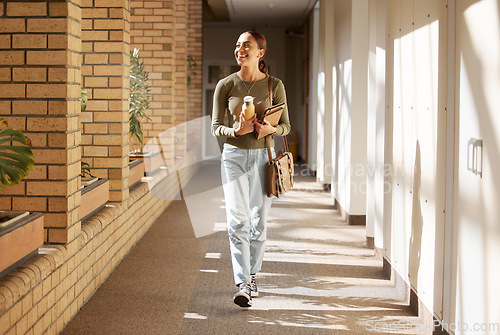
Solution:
(228, 100)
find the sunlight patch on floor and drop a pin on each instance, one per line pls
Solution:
(194, 316)
(213, 255)
(220, 226)
(298, 258)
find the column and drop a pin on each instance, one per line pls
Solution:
(105, 70)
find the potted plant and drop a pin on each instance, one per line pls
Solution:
(86, 176)
(139, 98)
(139, 103)
(16, 160)
(94, 191)
(136, 172)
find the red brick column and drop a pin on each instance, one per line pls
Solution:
(39, 90)
(105, 69)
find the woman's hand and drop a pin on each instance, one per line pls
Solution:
(246, 126)
(264, 129)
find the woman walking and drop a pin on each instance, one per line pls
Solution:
(244, 158)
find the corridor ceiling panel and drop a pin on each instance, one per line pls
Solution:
(259, 13)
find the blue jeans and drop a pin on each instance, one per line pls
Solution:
(247, 208)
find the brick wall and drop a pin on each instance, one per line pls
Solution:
(154, 32)
(39, 90)
(105, 70)
(43, 295)
(194, 103)
(167, 32)
(48, 49)
(194, 49)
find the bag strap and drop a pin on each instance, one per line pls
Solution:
(285, 142)
(270, 90)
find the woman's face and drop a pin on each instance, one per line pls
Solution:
(247, 51)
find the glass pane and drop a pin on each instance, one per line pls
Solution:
(217, 72)
(209, 94)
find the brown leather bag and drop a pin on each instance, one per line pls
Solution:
(280, 169)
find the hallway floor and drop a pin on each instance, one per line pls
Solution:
(317, 278)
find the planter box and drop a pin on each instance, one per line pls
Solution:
(19, 241)
(152, 160)
(94, 197)
(136, 172)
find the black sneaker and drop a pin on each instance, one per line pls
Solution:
(253, 286)
(243, 297)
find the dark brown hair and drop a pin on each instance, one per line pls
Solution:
(262, 43)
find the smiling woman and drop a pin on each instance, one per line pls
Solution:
(246, 49)
(245, 156)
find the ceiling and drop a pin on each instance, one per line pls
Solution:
(257, 13)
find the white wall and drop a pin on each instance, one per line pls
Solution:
(313, 87)
(408, 132)
(339, 60)
(376, 122)
(359, 107)
(417, 56)
(350, 104)
(477, 213)
(342, 104)
(324, 92)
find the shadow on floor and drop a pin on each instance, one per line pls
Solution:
(318, 277)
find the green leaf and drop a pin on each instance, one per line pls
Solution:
(15, 160)
(83, 99)
(85, 170)
(139, 96)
